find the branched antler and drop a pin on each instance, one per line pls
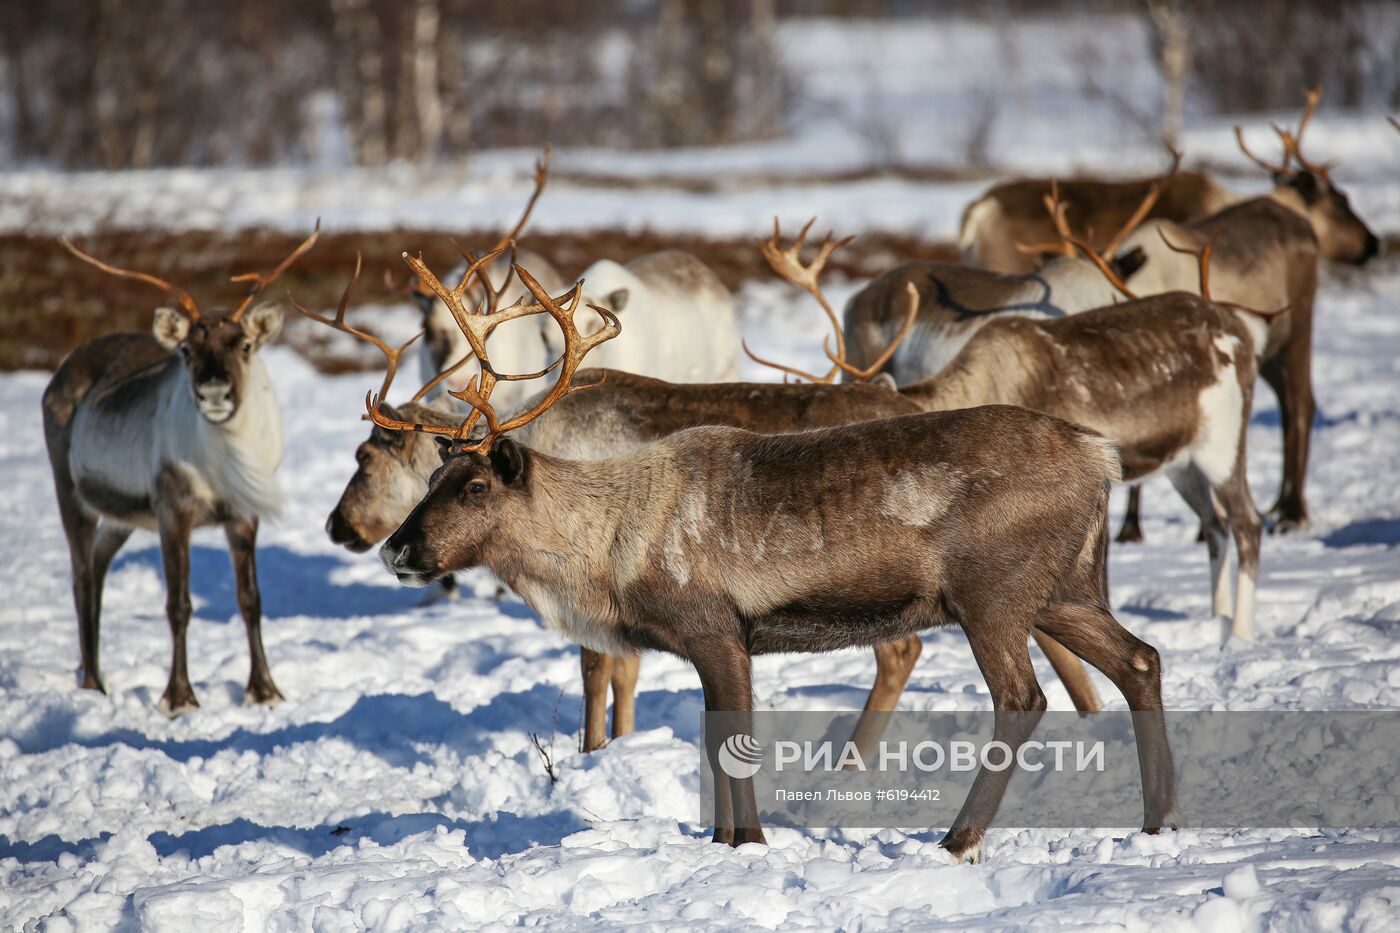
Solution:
(185, 300)
(787, 263)
(1204, 255)
(1292, 141)
(1069, 243)
(261, 281)
(391, 354)
(869, 372)
(477, 328)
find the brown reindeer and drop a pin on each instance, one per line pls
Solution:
(624, 412)
(956, 300)
(716, 544)
(1169, 378)
(1266, 256)
(169, 431)
(1011, 213)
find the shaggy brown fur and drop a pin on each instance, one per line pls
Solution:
(622, 413)
(716, 544)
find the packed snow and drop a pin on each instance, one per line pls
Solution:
(398, 786)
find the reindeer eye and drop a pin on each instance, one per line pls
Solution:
(247, 346)
(476, 487)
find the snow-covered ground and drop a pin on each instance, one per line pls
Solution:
(397, 787)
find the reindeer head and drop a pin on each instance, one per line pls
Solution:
(217, 349)
(466, 499)
(392, 470)
(467, 494)
(1309, 189)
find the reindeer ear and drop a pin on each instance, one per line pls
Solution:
(507, 460)
(384, 436)
(616, 300)
(444, 447)
(262, 322)
(1127, 264)
(170, 327)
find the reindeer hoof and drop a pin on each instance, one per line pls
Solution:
(1129, 534)
(94, 683)
(745, 836)
(1285, 525)
(181, 701)
(723, 836)
(262, 695)
(964, 845)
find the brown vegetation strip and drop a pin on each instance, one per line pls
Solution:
(50, 302)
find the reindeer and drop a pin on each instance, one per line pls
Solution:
(1009, 213)
(1184, 415)
(716, 544)
(955, 300)
(622, 413)
(680, 318)
(1266, 255)
(169, 431)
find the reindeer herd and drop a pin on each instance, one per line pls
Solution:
(952, 466)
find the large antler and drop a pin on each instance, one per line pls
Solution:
(477, 328)
(1069, 242)
(1292, 141)
(186, 301)
(1059, 217)
(1203, 255)
(869, 372)
(415, 285)
(261, 281)
(787, 263)
(391, 354)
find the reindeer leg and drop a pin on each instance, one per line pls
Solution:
(624, 692)
(725, 675)
(110, 539)
(1196, 490)
(1071, 673)
(1289, 374)
(1131, 531)
(175, 554)
(597, 671)
(80, 527)
(1135, 668)
(894, 662)
(1245, 525)
(1005, 662)
(242, 547)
